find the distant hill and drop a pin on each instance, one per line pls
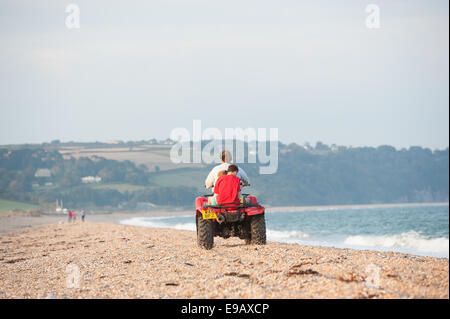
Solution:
(141, 172)
(340, 176)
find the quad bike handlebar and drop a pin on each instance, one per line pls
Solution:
(208, 195)
(242, 184)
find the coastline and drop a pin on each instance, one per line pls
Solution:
(276, 209)
(11, 222)
(118, 261)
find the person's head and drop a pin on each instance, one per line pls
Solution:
(226, 157)
(221, 173)
(232, 170)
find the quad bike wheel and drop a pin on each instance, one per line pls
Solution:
(257, 230)
(205, 232)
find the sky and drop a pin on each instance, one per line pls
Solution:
(136, 70)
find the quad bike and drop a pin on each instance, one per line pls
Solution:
(245, 221)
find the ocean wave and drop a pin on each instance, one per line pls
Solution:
(409, 241)
(161, 222)
(286, 235)
(156, 222)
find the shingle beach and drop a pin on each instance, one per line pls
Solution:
(106, 260)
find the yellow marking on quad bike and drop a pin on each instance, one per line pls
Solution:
(208, 214)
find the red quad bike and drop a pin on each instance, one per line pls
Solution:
(245, 221)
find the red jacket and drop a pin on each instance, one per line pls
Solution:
(227, 188)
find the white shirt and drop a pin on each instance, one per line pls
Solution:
(212, 176)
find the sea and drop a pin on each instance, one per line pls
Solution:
(420, 230)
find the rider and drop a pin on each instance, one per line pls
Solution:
(226, 162)
(228, 187)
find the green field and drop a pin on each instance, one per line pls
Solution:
(120, 187)
(149, 155)
(7, 205)
(180, 177)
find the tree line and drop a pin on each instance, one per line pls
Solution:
(319, 175)
(17, 176)
(355, 176)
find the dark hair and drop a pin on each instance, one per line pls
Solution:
(233, 168)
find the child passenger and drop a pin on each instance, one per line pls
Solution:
(228, 188)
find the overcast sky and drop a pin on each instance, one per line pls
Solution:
(138, 69)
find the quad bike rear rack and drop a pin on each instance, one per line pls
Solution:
(232, 206)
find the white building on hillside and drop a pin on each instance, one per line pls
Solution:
(91, 179)
(43, 172)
